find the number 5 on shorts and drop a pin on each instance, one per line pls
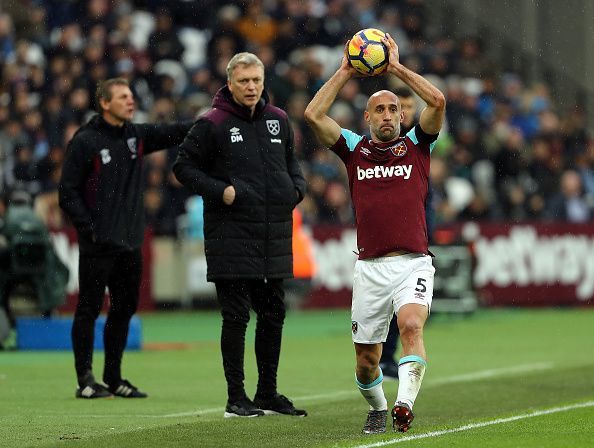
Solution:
(421, 285)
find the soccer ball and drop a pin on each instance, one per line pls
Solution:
(366, 53)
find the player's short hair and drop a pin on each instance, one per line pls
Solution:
(104, 92)
(243, 58)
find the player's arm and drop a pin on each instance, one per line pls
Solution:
(316, 114)
(432, 116)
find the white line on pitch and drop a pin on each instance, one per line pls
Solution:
(491, 373)
(470, 426)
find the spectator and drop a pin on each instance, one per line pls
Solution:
(570, 204)
(98, 12)
(7, 39)
(510, 163)
(339, 210)
(164, 42)
(225, 40)
(256, 26)
(471, 62)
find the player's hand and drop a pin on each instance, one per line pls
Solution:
(393, 54)
(345, 64)
(229, 195)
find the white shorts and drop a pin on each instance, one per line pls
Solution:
(381, 286)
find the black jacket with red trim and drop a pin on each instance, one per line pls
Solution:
(101, 189)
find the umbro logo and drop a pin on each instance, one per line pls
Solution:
(365, 151)
(236, 135)
(105, 156)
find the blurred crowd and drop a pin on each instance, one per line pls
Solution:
(506, 153)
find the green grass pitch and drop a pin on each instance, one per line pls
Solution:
(498, 378)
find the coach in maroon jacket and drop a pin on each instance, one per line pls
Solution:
(239, 158)
(101, 190)
(388, 179)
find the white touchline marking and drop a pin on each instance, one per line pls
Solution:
(478, 425)
(192, 413)
(474, 376)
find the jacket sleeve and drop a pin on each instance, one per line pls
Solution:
(195, 159)
(75, 171)
(162, 136)
(293, 166)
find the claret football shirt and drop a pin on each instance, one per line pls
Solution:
(389, 184)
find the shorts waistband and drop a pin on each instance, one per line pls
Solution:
(390, 258)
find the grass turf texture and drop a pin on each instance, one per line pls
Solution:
(492, 365)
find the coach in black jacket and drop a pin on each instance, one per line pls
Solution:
(239, 157)
(101, 190)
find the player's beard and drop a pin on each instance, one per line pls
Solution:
(387, 136)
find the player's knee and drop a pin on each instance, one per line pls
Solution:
(410, 325)
(367, 363)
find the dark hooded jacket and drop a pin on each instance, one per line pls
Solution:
(101, 188)
(251, 238)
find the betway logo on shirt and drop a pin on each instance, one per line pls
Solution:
(384, 171)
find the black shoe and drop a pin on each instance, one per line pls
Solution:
(125, 389)
(242, 408)
(93, 390)
(376, 422)
(390, 370)
(278, 404)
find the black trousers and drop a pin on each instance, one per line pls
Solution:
(121, 273)
(236, 297)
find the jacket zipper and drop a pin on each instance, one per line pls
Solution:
(266, 231)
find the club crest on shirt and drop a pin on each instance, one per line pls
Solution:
(273, 126)
(399, 149)
(132, 146)
(354, 326)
